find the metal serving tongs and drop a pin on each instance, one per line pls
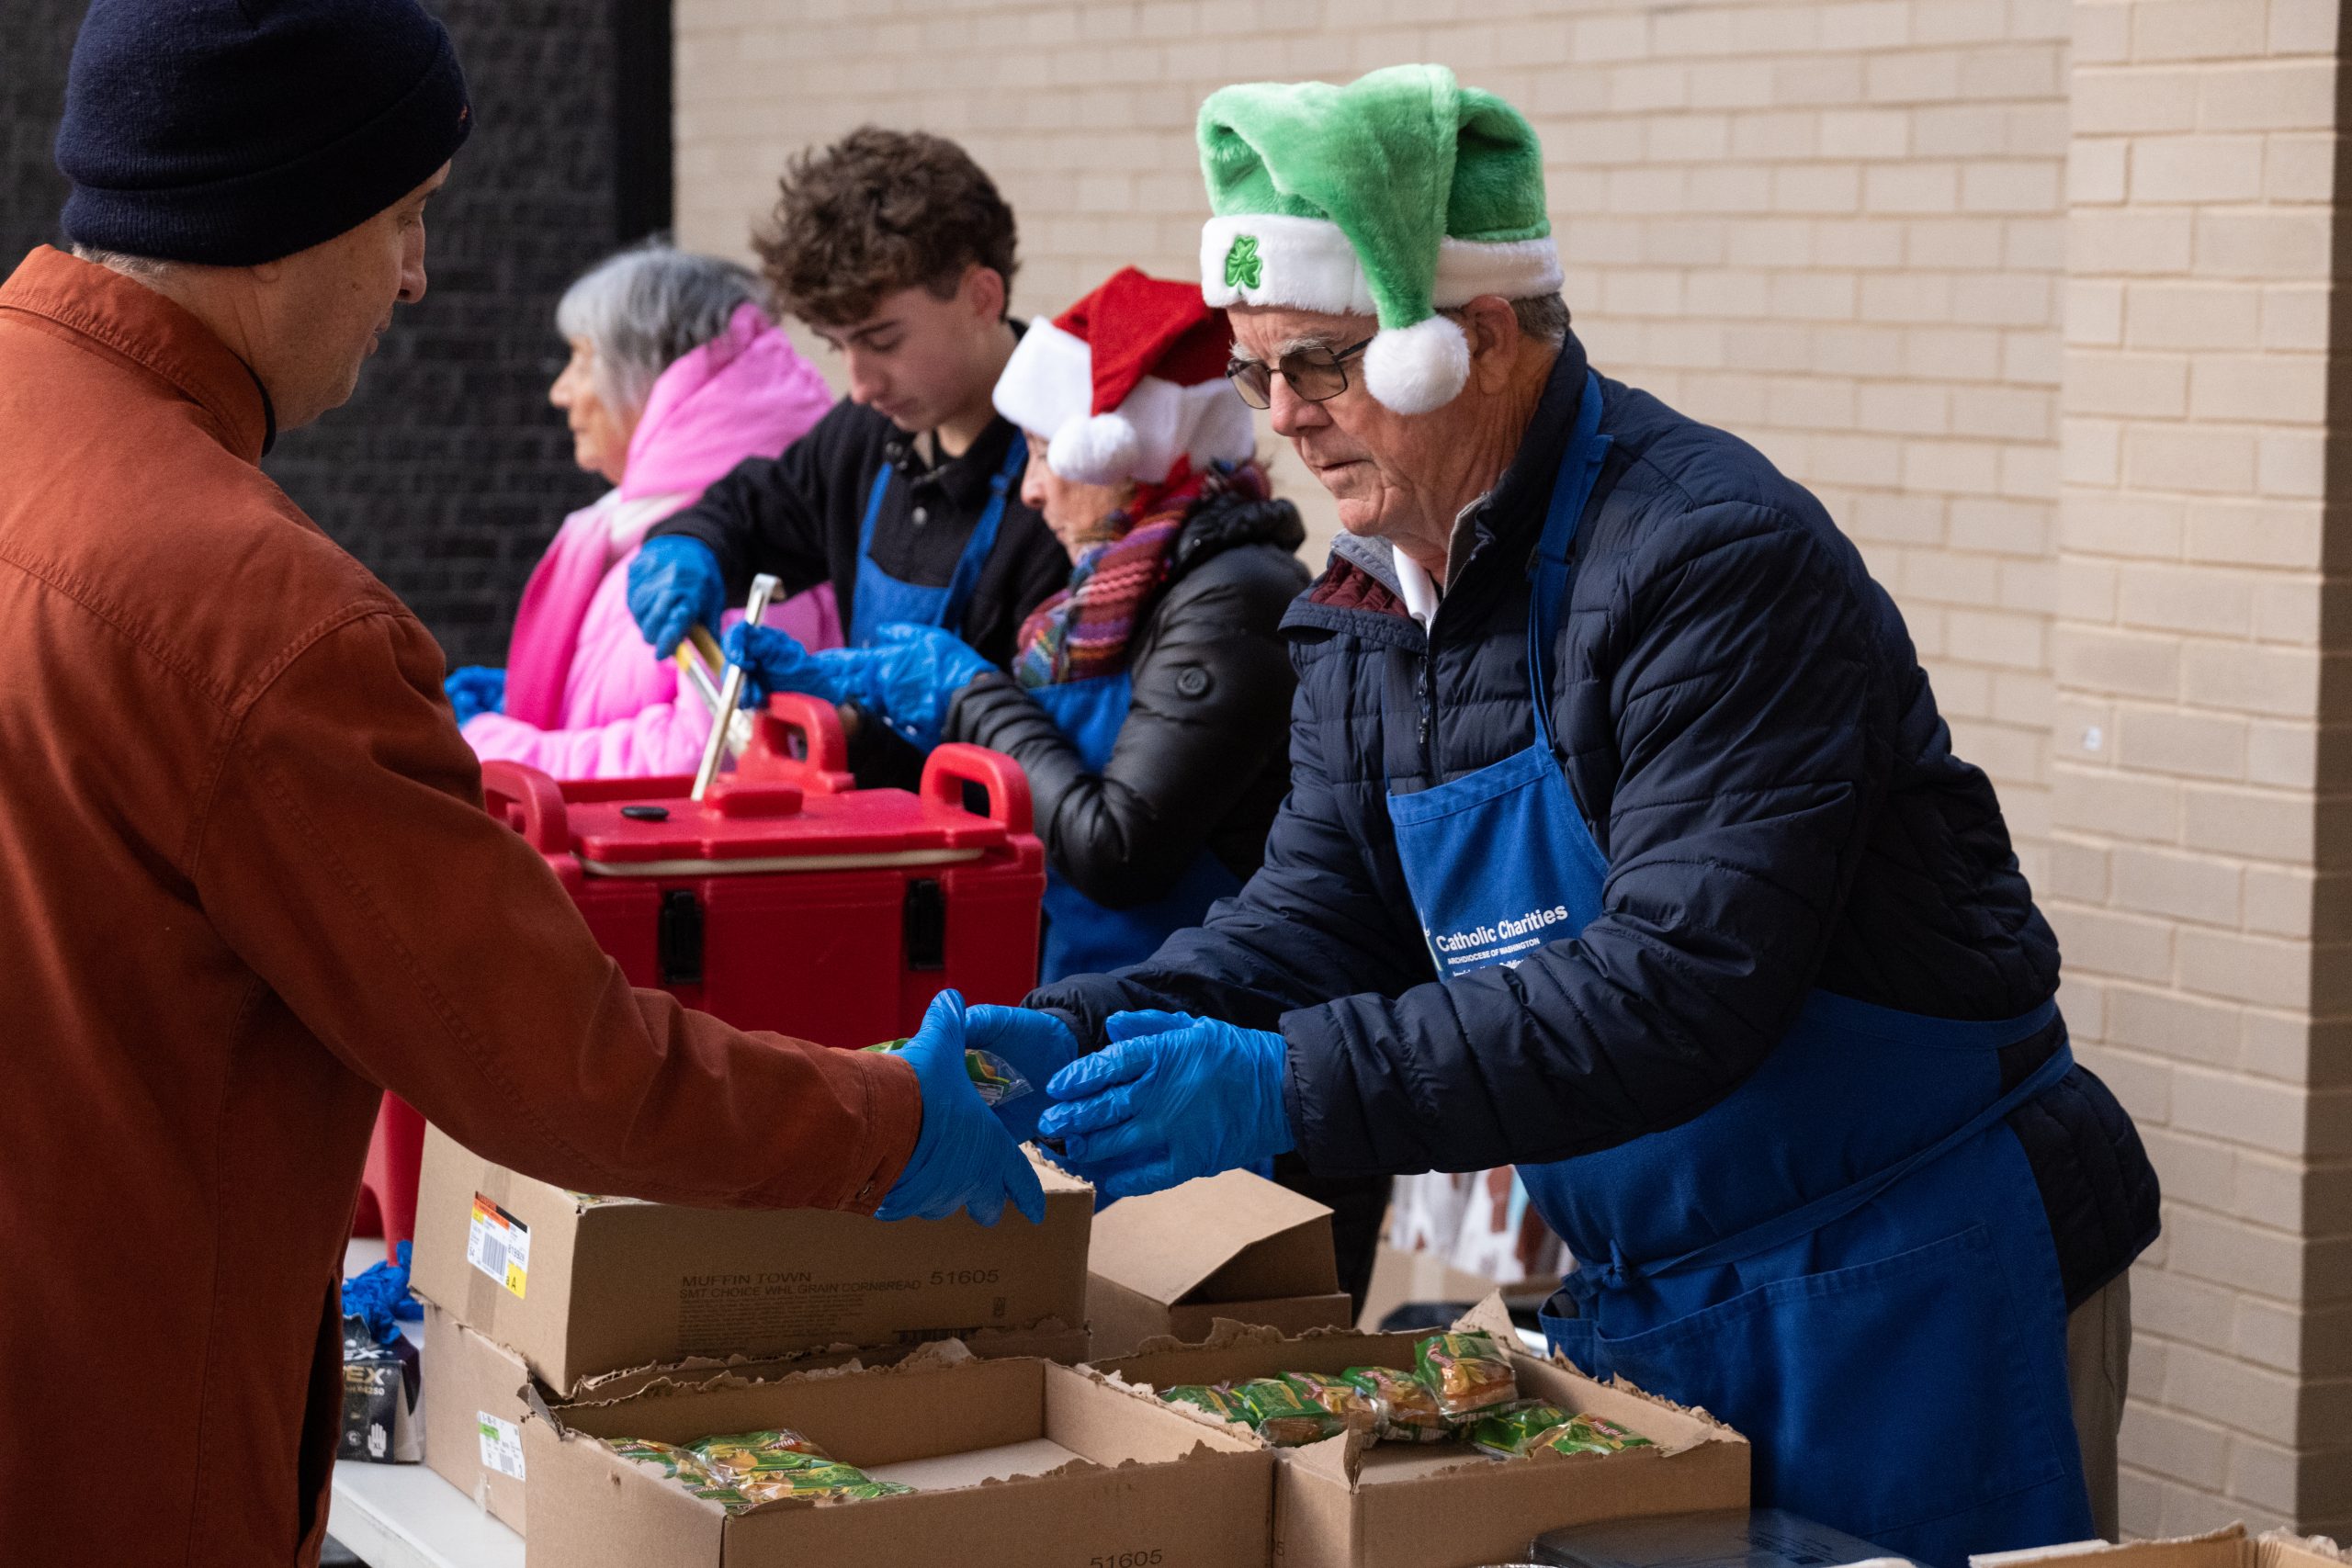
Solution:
(730, 692)
(695, 674)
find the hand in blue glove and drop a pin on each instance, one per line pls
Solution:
(964, 1159)
(476, 689)
(1036, 1044)
(674, 582)
(909, 679)
(1172, 1097)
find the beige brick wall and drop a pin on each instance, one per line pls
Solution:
(1837, 229)
(1842, 230)
(2198, 841)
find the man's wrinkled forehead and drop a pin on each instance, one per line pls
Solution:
(1266, 333)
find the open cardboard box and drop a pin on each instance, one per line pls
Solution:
(579, 1286)
(1343, 1503)
(1234, 1247)
(2222, 1549)
(474, 1417)
(1016, 1462)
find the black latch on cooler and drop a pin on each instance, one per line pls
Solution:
(677, 941)
(926, 930)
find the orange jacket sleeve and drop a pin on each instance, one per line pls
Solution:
(343, 855)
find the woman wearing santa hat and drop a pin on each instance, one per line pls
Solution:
(1150, 701)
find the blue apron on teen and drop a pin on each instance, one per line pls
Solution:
(1847, 1258)
(882, 599)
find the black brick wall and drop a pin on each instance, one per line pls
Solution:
(448, 472)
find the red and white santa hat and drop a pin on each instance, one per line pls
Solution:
(1128, 380)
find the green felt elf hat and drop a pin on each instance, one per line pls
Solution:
(1402, 194)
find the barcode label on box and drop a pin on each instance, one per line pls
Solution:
(499, 1245)
(502, 1444)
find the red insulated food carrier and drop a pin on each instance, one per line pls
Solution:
(789, 900)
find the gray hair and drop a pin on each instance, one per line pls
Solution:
(1543, 316)
(641, 310)
(121, 262)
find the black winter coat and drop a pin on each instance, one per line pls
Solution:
(1750, 738)
(1202, 756)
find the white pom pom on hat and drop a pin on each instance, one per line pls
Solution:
(1100, 449)
(1420, 368)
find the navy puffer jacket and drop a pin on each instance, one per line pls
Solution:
(1751, 740)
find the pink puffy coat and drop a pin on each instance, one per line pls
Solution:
(585, 697)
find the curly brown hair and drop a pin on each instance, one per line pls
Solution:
(877, 211)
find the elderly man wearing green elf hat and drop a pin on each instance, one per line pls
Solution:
(1625, 845)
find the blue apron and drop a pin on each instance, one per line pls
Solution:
(1847, 1258)
(1081, 936)
(882, 599)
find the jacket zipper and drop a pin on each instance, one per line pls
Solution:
(1428, 725)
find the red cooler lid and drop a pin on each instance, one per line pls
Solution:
(767, 824)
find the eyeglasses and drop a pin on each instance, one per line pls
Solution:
(1316, 374)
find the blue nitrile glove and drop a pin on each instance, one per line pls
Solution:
(908, 680)
(1172, 1097)
(476, 689)
(964, 1158)
(380, 1296)
(674, 582)
(1036, 1044)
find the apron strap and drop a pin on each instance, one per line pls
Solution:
(1554, 552)
(983, 541)
(873, 509)
(1810, 1217)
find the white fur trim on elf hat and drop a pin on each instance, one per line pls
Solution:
(1307, 264)
(1420, 368)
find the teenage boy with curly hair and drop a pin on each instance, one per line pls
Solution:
(895, 247)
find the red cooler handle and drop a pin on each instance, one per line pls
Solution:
(529, 802)
(955, 765)
(819, 723)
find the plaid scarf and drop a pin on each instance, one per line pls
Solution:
(1082, 631)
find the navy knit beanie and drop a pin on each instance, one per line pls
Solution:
(236, 131)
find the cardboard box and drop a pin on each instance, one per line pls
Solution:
(1234, 1247)
(473, 1416)
(1344, 1504)
(2222, 1549)
(581, 1285)
(1016, 1462)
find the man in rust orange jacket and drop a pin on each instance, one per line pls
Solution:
(245, 881)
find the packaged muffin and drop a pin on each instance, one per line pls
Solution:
(1587, 1432)
(996, 1079)
(1408, 1411)
(1513, 1431)
(738, 1456)
(1284, 1414)
(1467, 1372)
(1217, 1399)
(1339, 1396)
(673, 1464)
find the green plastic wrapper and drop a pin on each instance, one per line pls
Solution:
(739, 1456)
(997, 1080)
(1467, 1372)
(1407, 1409)
(1339, 1396)
(1217, 1399)
(1513, 1431)
(674, 1463)
(1588, 1434)
(1285, 1415)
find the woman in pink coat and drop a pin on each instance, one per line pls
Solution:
(676, 374)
